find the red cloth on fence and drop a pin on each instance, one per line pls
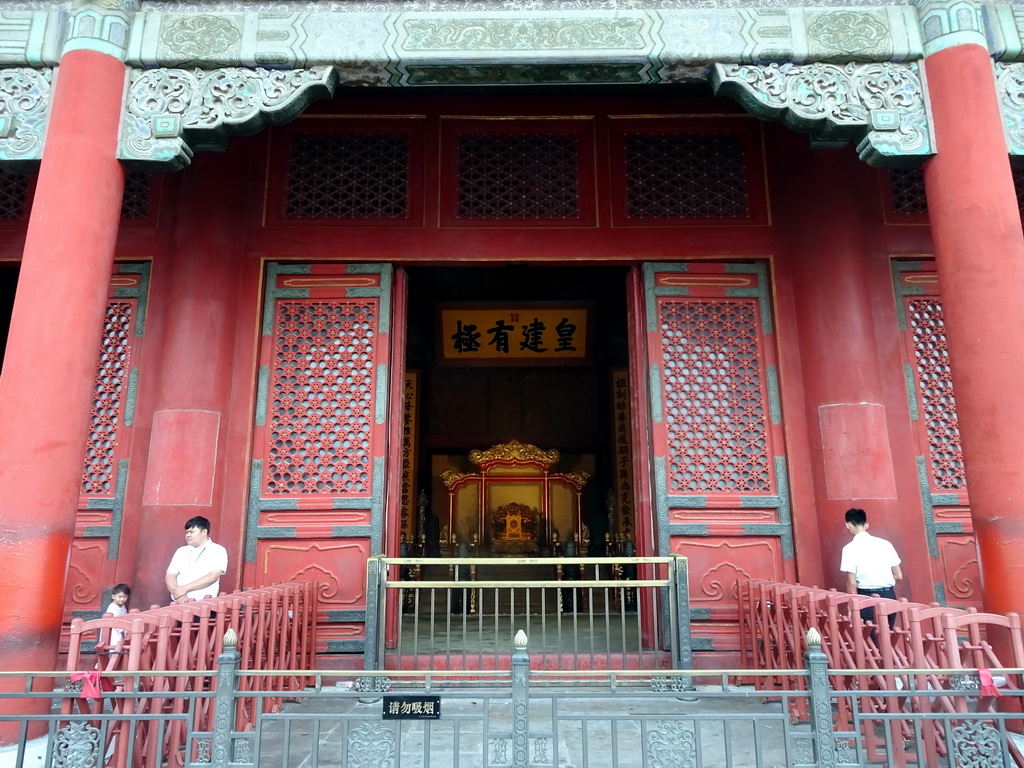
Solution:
(93, 683)
(988, 686)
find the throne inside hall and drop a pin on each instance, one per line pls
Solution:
(514, 504)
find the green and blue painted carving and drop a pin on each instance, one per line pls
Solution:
(199, 72)
(880, 106)
(171, 112)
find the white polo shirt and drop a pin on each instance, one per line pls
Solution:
(871, 560)
(189, 563)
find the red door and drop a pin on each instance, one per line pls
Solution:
(92, 569)
(319, 467)
(946, 506)
(719, 481)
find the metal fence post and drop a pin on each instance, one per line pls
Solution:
(224, 702)
(821, 701)
(520, 702)
(371, 647)
(683, 647)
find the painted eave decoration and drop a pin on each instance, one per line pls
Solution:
(198, 72)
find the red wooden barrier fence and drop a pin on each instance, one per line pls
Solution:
(774, 620)
(275, 626)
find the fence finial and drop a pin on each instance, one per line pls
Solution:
(519, 642)
(230, 638)
(813, 638)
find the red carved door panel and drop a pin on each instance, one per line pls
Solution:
(719, 468)
(94, 550)
(317, 488)
(940, 465)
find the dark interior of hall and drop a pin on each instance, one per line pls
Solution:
(567, 407)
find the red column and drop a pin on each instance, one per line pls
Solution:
(836, 269)
(979, 252)
(189, 381)
(50, 362)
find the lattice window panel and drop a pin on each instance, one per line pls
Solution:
(322, 397)
(908, 197)
(348, 176)
(715, 400)
(13, 194)
(108, 400)
(533, 176)
(135, 203)
(935, 393)
(686, 176)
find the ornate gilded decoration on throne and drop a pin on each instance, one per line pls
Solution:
(515, 502)
(514, 452)
(450, 478)
(514, 529)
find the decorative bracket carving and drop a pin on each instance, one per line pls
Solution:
(880, 105)
(24, 108)
(1010, 89)
(169, 113)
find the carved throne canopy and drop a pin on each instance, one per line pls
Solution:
(513, 503)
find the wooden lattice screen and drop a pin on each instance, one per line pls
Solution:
(317, 486)
(719, 452)
(95, 548)
(940, 465)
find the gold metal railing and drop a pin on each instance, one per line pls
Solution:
(580, 613)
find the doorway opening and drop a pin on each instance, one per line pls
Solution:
(475, 402)
(519, 455)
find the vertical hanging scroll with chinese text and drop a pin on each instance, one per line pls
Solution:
(410, 401)
(622, 456)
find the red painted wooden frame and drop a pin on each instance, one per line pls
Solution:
(276, 186)
(889, 212)
(152, 218)
(580, 127)
(754, 172)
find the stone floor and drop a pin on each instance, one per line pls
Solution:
(33, 757)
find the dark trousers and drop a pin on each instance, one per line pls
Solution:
(868, 614)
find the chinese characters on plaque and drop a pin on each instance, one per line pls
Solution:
(520, 335)
(412, 707)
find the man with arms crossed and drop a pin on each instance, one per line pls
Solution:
(196, 568)
(871, 565)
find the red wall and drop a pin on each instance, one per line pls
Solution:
(827, 236)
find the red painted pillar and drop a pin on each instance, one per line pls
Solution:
(835, 268)
(196, 295)
(50, 361)
(979, 252)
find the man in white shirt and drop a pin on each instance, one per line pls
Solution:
(871, 565)
(196, 568)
